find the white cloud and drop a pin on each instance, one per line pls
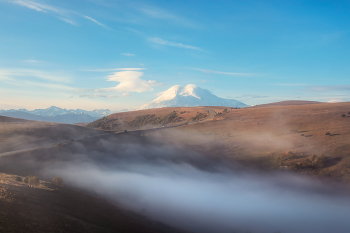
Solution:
(29, 5)
(31, 61)
(48, 85)
(117, 69)
(173, 44)
(95, 21)
(128, 54)
(335, 88)
(104, 96)
(71, 22)
(27, 79)
(158, 13)
(226, 73)
(290, 84)
(59, 13)
(28, 73)
(130, 81)
(36, 6)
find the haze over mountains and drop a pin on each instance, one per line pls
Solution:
(190, 96)
(176, 96)
(58, 115)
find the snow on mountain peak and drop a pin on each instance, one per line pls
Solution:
(190, 96)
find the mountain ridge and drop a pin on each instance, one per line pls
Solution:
(56, 111)
(57, 115)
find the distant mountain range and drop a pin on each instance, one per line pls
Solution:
(58, 115)
(190, 96)
(177, 96)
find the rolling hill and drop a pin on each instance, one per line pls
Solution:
(150, 118)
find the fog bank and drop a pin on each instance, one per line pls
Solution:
(165, 184)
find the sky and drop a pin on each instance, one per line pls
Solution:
(119, 54)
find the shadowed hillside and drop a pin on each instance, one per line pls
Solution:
(48, 208)
(17, 134)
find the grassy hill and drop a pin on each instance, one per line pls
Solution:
(150, 118)
(293, 137)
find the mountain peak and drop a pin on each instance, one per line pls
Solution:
(190, 96)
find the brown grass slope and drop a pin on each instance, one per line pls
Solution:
(275, 137)
(151, 118)
(286, 103)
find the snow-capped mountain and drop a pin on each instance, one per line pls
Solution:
(190, 96)
(55, 111)
(58, 115)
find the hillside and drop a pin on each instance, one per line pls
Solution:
(151, 118)
(286, 103)
(48, 208)
(311, 140)
(17, 134)
(276, 137)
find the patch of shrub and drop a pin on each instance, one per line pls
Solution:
(57, 181)
(348, 112)
(283, 157)
(143, 120)
(199, 116)
(312, 158)
(295, 166)
(343, 115)
(319, 162)
(33, 180)
(18, 178)
(328, 133)
(25, 180)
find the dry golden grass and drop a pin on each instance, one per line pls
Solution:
(257, 135)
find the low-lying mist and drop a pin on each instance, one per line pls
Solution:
(192, 192)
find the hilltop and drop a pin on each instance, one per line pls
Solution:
(150, 118)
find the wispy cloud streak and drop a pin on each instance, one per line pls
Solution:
(95, 21)
(329, 88)
(116, 69)
(128, 54)
(173, 44)
(225, 73)
(59, 13)
(92, 96)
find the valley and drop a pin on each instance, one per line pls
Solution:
(112, 159)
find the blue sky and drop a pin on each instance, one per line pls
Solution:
(116, 54)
